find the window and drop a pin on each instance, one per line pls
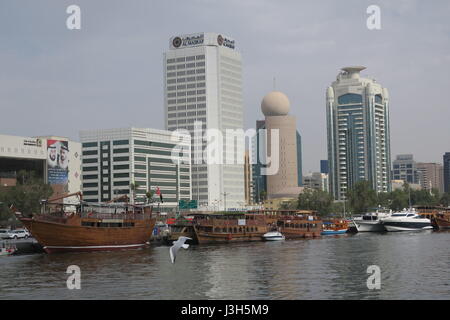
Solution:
(350, 98)
(120, 142)
(89, 144)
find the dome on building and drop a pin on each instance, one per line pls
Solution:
(275, 103)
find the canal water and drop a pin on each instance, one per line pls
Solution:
(413, 265)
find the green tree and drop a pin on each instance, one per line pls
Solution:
(317, 200)
(445, 199)
(149, 194)
(26, 196)
(361, 197)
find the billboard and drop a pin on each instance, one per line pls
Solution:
(57, 162)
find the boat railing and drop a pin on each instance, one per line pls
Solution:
(122, 216)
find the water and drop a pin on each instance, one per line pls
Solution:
(414, 265)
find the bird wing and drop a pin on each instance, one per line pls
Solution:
(172, 255)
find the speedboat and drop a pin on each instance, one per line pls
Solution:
(371, 221)
(273, 236)
(406, 220)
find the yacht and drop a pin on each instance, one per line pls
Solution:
(407, 220)
(371, 221)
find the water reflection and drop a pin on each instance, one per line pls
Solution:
(413, 266)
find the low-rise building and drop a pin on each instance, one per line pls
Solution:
(135, 161)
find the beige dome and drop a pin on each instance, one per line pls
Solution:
(275, 103)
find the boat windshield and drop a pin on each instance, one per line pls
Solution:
(399, 215)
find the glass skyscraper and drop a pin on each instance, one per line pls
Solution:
(358, 133)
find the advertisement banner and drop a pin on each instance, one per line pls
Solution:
(58, 161)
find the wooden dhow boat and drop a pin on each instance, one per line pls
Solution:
(229, 227)
(91, 226)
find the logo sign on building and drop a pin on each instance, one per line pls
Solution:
(225, 42)
(33, 142)
(187, 41)
(57, 161)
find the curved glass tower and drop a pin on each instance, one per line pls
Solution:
(358, 133)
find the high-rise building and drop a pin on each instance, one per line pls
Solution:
(358, 133)
(134, 161)
(203, 83)
(404, 168)
(431, 176)
(324, 166)
(447, 172)
(286, 181)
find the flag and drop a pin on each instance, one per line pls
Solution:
(159, 193)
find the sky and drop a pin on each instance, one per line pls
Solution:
(109, 74)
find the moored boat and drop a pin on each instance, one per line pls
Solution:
(229, 227)
(182, 227)
(297, 226)
(6, 249)
(407, 220)
(335, 226)
(371, 221)
(273, 236)
(441, 221)
(92, 227)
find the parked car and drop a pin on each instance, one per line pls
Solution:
(14, 234)
(6, 234)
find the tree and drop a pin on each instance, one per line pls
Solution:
(149, 194)
(361, 197)
(316, 200)
(26, 196)
(445, 199)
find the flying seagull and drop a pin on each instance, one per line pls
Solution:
(180, 243)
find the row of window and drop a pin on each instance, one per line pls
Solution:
(185, 65)
(188, 79)
(188, 58)
(187, 86)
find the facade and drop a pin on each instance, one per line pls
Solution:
(431, 176)
(116, 159)
(399, 184)
(316, 180)
(446, 172)
(324, 166)
(56, 160)
(278, 203)
(404, 168)
(203, 83)
(257, 160)
(358, 133)
(286, 182)
(248, 179)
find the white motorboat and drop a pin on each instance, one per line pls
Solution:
(273, 236)
(371, 221)
(407, 220)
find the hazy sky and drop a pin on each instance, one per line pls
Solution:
(110, 73)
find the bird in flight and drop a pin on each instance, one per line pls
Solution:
(180, 243)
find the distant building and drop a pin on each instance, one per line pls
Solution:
(316, 180)
(259, 181)
(404, 168)
(277, 203)
(56, 160)
(358, 133)
(447, 172)
(287, 181)
(399, 184)
(431, 176)
(114, 159)
(248, 179)
(324, 166)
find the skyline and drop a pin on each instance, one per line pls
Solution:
(68, 81)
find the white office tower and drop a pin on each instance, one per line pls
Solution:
(203, 83)
(358, 133)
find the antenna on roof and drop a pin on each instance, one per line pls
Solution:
(274, 83)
